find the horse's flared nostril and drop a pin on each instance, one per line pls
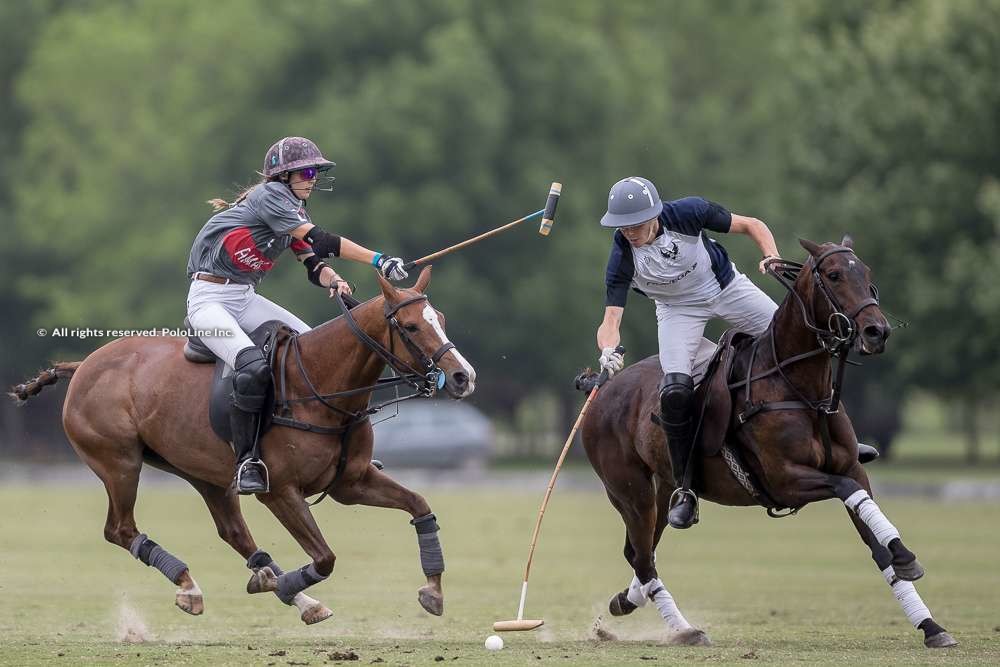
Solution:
(875, 332)
(461, 379)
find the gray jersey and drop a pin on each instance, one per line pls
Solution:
(242, 242)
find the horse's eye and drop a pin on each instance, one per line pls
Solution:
(874, 291)
(412, 328)
(833, 275)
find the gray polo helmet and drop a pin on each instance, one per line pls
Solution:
(632, 200)
(292, 154)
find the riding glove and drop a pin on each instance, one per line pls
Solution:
(611, 361)
(391, 267)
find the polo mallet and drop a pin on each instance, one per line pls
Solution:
(530, 624)
(548, 217)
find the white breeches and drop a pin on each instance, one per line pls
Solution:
(233, 309)
(683, 349)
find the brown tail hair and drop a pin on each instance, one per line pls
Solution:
(59, 371)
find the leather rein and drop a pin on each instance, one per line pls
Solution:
(836, 341)
(423, 380)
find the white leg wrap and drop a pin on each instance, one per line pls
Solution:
(664, 602)
(865, 508)
(635, 594)
(906, 594)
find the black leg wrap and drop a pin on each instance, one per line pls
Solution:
(261, 558)
(145, 548)
(425, 524)
(431, 556)
(152, 554)
(292, 583)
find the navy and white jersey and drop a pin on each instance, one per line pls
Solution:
(682, 265)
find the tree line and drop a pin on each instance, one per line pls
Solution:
(447, 118)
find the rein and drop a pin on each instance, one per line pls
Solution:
(424, 383)
(835, 341)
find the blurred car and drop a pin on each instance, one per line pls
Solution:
(434, 434)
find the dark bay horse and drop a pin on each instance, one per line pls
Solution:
(138, 400)
(778, 431)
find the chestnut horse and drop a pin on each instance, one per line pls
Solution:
(139, 399)
(778, 430)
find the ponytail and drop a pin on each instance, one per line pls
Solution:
(218, 204)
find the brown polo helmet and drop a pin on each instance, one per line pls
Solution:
(292, 154)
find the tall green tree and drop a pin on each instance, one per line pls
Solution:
(896, 141)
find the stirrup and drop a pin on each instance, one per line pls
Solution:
(260, 467)
(678, 494)
(677, 497)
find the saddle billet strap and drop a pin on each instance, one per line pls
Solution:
(757, 408)
(304, 426)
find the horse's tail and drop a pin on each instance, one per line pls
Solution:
(60, 370)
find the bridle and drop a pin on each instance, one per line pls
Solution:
(835, 340)
(841, 330)
(424, 380)
(432, 376)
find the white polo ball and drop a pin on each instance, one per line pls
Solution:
(494, 643)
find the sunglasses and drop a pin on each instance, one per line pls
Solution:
(309, 173)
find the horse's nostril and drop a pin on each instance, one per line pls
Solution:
(872, 331)
(460, 378)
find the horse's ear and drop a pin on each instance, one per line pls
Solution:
(423, 280)
(388, 291)
(847, 241)
(811, 247)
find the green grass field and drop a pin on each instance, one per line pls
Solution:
(800, 590)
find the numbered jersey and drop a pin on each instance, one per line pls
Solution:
(242, 242)
(682, 265)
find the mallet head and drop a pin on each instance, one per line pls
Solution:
(549, 216)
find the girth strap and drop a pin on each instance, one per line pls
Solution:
(754, 408)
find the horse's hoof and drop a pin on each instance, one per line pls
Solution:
(620, 605)
(692, 637)
(316, 613)
(262, 580)
(909, 571)
(940, 640)
(431, 600)
(190, 601)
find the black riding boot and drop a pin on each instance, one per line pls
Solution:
(676, 415)
(251, 473)
(251, 380)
